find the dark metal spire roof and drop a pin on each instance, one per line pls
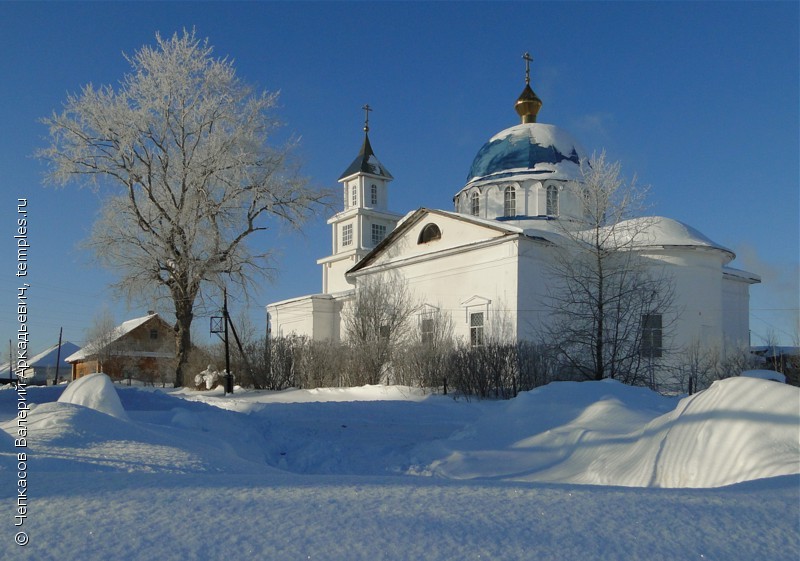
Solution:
(366, 162)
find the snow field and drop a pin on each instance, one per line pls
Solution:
(111, 516)
(567, 471)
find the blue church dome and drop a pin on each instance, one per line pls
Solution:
(528, 149)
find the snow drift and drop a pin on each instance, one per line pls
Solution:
(95, 391)
(739, 429)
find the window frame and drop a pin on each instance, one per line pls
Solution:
(427, 329)
(429, 233)
(652, 341)
(347, 235)
(477, 330)
(475, 203)
(509, 201)
(378, 233)
(551, 200)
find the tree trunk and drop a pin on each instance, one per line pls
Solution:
(184, 313)
(598, 356)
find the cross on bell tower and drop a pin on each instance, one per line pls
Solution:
(366, 109)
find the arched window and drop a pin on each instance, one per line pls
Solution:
(552, 200)
(510, 202)
(374, 194)
(475, 203)
(429, 233)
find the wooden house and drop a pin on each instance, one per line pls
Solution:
(139, 349)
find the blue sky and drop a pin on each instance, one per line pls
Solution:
(699, 100)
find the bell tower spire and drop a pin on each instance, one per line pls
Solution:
(528, 103)
(364, 220)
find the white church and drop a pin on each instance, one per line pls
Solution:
(486, 257)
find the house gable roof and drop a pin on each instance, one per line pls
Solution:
(122, 330)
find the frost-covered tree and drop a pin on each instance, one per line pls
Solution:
(180, 149)
(608, 295)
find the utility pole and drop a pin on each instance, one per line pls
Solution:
(228, 375)
(219, 325)
(58, 356)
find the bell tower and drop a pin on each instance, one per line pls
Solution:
(364, 220)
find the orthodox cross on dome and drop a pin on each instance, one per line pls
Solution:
(528, 103)
(366, 109)
(528, 59)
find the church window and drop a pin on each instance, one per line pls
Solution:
(429, 233)
(476, 329)
(475, 204)
(652, 336)
(378, 233)
(347, 234)
(374, 194)
(427, 326)
(354, 197)
(510, 202)
(552, 200)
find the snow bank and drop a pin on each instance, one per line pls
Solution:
(95, 391)
(740, 429)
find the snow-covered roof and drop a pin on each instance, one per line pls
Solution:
(659, 231)
(47, 358)
(528, 149)
(93, 347)
(739, 274)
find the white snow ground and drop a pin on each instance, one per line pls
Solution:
(568, 471)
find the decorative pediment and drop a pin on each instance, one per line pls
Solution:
(426, 233)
